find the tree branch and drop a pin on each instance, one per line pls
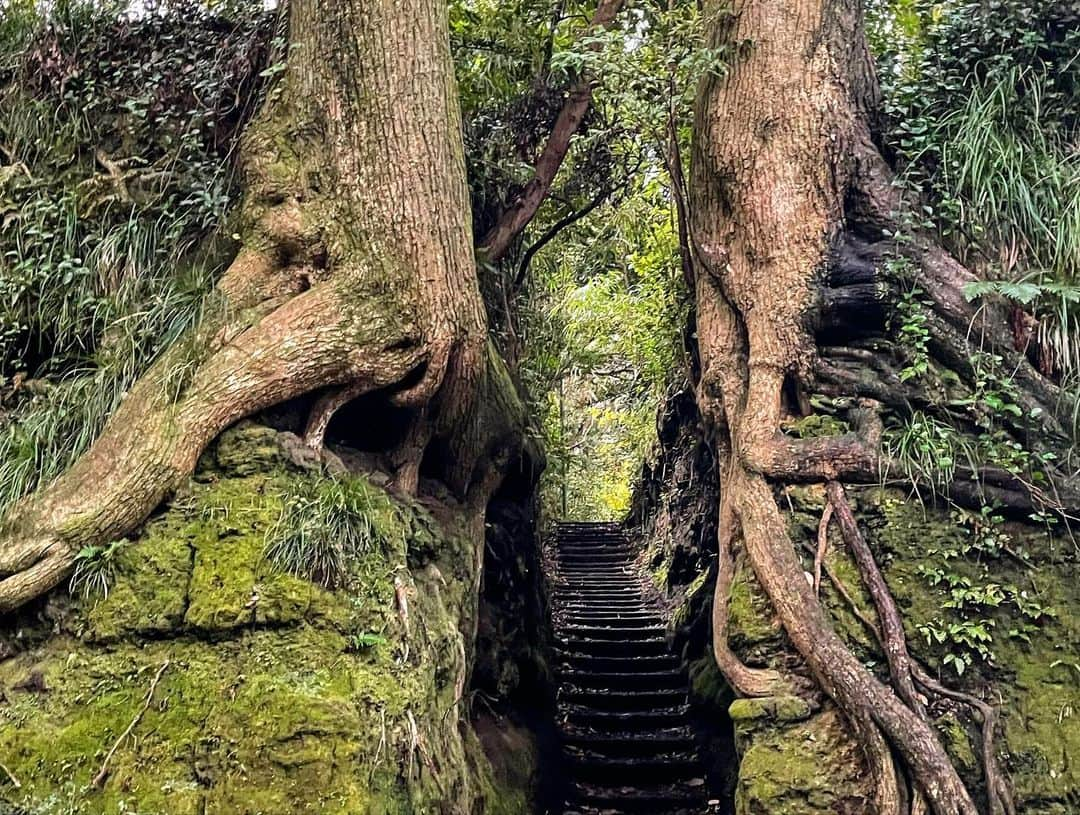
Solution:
(553, 231)
(494, 245)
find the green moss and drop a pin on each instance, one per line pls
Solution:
(957, 741)
(771, 708)
(272, 702)
(1035, 682)
(707, 684)
(750, 621)
(248, 448)
(800, 769)
(813, 766)
(149, 591)
(816, 425)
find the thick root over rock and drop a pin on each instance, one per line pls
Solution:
(341, 288)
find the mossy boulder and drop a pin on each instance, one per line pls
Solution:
(275, 695)
(797, 769)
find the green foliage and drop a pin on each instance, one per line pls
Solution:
(116, 141)
(603, 331)
(980, 431)
(928, 449)
(914, 334)
(966, 630)
(94, 569)
(327, 524)
(366, 640)
(984, 99)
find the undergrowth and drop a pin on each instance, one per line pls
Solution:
(983, 100)
(327, 524)
(117, 134)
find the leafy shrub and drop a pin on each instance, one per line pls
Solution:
(117, 132)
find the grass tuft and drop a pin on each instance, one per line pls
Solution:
(327, 524)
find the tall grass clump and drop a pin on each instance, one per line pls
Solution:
(327, 524)
(984, 108)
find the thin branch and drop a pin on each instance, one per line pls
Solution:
(822, 545)
(11, 776)
(553, 231)
(103, 773)
(495, 244)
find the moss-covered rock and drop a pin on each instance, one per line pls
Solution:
(770, 708)
(808, 767)
(275, 695)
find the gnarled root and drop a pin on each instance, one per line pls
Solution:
(904, 671)
(744, 680)
(324, 409)
(154, 439)
(857, 692)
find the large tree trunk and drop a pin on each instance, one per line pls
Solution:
(356, 273)
(785, 180)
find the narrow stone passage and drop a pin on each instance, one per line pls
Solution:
(622, 696)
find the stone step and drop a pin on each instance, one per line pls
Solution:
(605, 648)
(599, 600)
(595, 595)
(626, 700)
(619, 581)
(628, 743)
(615, 570)
(612, 619)
(642, 680)
(660, 769)
(605, 632)
(654, 799)
(621, 702)
(600, 550)
(621, 721)
(602, 663)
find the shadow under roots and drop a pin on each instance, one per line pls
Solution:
(370, 424)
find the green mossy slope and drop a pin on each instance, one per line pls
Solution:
(811, 766)
(279, 696)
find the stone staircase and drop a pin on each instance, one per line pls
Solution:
(622, 713)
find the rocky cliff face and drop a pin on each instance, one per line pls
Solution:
(1022, 590)
(209, 682)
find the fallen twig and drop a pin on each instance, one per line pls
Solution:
(822, 545)
(11, 777)
(103, 773)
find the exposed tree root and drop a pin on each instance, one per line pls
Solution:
(324, 409)
(861, 697)
(744, 680)
(904, 670)
(892, 625)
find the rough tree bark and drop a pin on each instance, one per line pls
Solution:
(792, 211)
(355, 272)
